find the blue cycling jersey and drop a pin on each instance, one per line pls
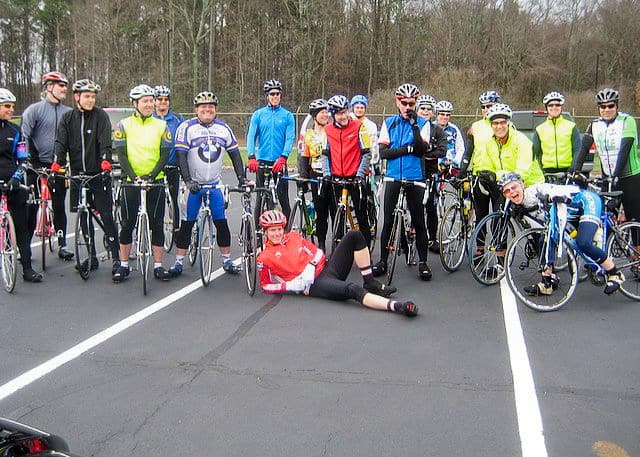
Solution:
(173, 120)
(396, 132)
(271, 133)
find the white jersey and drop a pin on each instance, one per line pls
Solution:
(372, 130)
(205, 146)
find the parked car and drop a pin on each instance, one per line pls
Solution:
(527, 121)
(17, 440)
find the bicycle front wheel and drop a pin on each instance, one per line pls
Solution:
(143, 250)
(525, 260)
(488, 247)
(43, 231)
(339, 227)
(248, 231)
(192, 253)
(452, 238)
(168, 228)
(205, 246)
(8, 252)
(83, 241)
(394, 248)
(623, 246)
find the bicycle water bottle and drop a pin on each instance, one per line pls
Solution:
(311, 209)
(598, 238)
(467, 205)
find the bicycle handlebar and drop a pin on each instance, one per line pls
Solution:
(298, 178)
(405, 182)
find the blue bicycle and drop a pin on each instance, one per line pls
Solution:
(526, 257)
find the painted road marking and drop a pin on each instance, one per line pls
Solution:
(527, 406)
(47, 367)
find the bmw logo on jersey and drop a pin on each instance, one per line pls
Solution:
(210, 150)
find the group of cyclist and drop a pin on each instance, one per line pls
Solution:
(338, 142)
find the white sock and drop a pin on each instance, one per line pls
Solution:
(124, 263)
(156, 265)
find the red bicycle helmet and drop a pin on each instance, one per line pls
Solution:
(272, 218)
(54, 76)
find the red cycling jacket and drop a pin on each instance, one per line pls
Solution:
(345, 149)
(278, 263)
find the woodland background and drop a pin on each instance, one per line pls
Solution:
(453, 49)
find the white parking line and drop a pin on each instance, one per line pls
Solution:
(47, 367)
(527, 406)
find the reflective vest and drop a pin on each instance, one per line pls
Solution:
(482, 133)
(555, 142)
(144, 138)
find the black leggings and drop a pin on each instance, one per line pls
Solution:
(631, 196)
(430, 208)
(324, 204)
(332, 284)
(130, 201)
(282, 190)
(414, 196)
(173, 180)
(183, 238)
(481, 201)
(20, 212)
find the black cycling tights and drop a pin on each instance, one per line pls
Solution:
(130, 201)
(332, 283)
(183, 238)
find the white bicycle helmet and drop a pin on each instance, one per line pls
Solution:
(317, 105)
(6, 96)
(551, 96)
(140, 91)
(407, 90)
(338, 103)
(607, 95)
(444, 106)
(499, 110)
(489, 96)
(272, 84)
(204, 98)
(426, 100)
(162, 91)
(85, 85)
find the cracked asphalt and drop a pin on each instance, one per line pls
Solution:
(220, 373)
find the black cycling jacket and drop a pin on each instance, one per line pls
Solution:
(88, 150)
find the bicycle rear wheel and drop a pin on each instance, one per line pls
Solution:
(248, 232)
(452, 238)
(43, 232)
(525, 261)
(169, 232)
(192, 252)
(488, 246)
(622, 247)
(300, 222)
(394, 248)
(9, 253)
(339, 227)
(83, 242)
(205, 246)
(143, 253)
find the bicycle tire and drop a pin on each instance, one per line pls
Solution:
(452, 238)
(169, 232)
(249, 251)
(495, 232)
(394, 248)
(44, 229)
(51, 235)
(9, 253)
(192, 251)
(298, 222)
(339, 227)
(625, 255)
(144, 250)
(372, 214)
(523, 265)
(83, 243)
(205, 248)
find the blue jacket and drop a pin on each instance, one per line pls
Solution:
(396, 133)
(274, 130)
(173, 120)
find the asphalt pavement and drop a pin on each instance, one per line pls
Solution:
(212, 371)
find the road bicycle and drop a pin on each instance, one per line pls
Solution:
(456, 225)
(8, 243)
(206, 235)
(44, 219)
(144, 252)
(266, 197)
(402, 237)
(169, 225)
(302, 218)
(86, 219)
(527, 257)
(247, 238)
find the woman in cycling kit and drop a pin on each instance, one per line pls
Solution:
(289, 263)
(581, 204)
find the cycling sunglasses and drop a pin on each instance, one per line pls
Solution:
(607, 105)
(409, 104)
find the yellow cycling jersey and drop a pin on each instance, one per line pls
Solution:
(144, 139)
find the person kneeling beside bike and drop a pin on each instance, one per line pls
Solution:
(290, 263)
(580, 204)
